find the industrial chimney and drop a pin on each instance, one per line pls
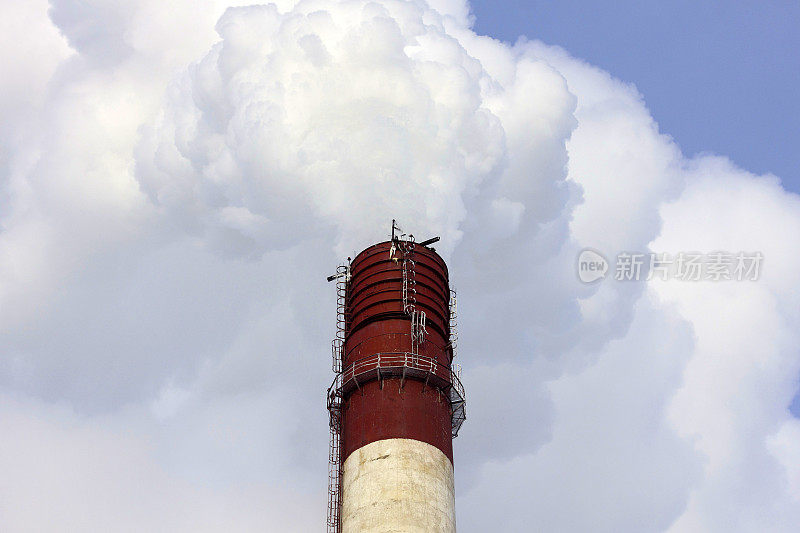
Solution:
(395, 403)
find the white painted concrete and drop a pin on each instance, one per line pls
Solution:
(398, 486)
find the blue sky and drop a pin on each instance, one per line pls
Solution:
(719, 77)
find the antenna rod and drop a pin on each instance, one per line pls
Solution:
(429, 241)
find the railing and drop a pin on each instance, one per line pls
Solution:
(458, 402)
(403, 365)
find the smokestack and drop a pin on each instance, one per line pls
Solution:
(395, 404)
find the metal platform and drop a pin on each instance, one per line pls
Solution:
(402, 365)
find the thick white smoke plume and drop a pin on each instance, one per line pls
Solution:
(177, 179)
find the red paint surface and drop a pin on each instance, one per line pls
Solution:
(375, 413)
(383, 409)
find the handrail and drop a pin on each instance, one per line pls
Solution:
(386, 360)
(395, 360)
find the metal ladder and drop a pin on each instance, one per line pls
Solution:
(453, 322)
(334, 462)
(335, 402)
(418, 329)
(337, 345)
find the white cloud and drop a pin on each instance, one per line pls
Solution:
(177, 181)
(64, 472)
(743, 373)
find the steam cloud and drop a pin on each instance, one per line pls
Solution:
(177, 180)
